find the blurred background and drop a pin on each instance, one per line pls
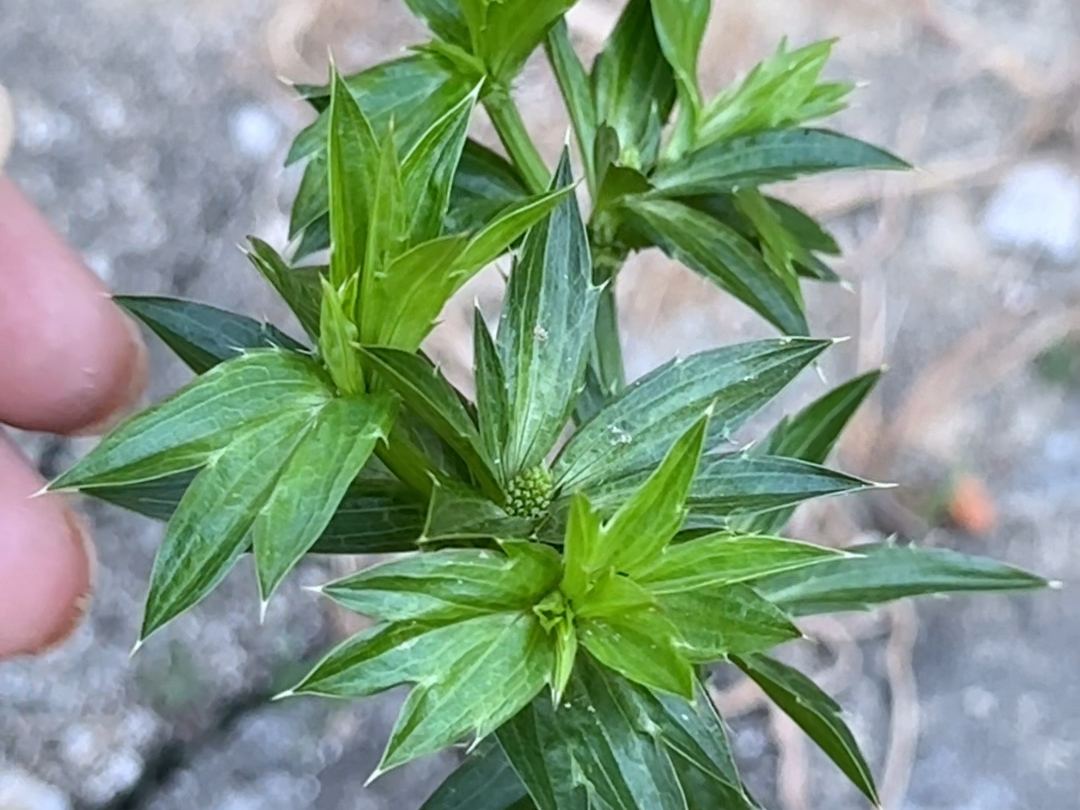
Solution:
(152, 135)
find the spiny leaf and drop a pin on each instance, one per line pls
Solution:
(633, 539)
(581, 549)
(815, 713)
(458, 513)
(352, 161)
(444, 19)
(721, 255)
(612, 595)
(492, 405)
(203, 336)
(543, 333)
(301, 291)
(431, 397)
(725, 558)
(641, 646)
(184, 431)
(452, 584)
(339, 339)
(576, 91)
(485, 184)
(768, 157)
(313, 482)
(386, 233)
(636, 429)
(884, 572)
(495, 238)
(541, 751)
(209, 530)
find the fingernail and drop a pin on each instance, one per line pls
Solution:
(137, 374)
(80, 607)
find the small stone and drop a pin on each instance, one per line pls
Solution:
(21, 791)
(1037, 207)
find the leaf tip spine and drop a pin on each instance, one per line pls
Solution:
(136, 647)
(288, 693)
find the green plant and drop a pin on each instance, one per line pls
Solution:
(560, 600)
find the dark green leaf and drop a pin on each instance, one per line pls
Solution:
(209, 530)
(303, 293)
(576, 92)
(768, 157)
(203, 336)
(311, 200)
(337, 443)
(721, 255)
(545, 328)
(451, 585)
(485, 184)
(635, 430)
(427, 393)
(184, 431)
(492, 407)
(495, 238)
(541, 752)
(725, 558)
(633, 83)
(724, 620)
(456, 513)
(815, 713)
(886, 572)
(805, 228)
(485, 781)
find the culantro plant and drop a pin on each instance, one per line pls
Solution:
(571, 553)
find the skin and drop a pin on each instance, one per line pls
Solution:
(72, 363)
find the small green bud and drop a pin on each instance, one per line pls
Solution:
(529, 494)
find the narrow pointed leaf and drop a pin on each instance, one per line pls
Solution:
(726, 558)
(444, 19)
(815, 713)
(576, 91)
(484, 781)
(724, 620)
(884, 572)
(203, 336)
(485, 184)
(209, 530)
(387, 213)
(495, 238)
(432, 398)
(202, 418)
(581, 550)
(352, 161)
(543, 334)
(337, 444)
(635, 430)
(721, 255)
(298, 291)
(633, 539)
(640, 646)
(312, 200)
(452, 584)
(633, 81)
(768, 157)
(680, 27)
(511, 30)
(805, 228)
(339, 339)
(492, 407)
(541, 751)
(613, 595)
(492, 679)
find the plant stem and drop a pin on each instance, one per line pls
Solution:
(515, 138)
(406, 461)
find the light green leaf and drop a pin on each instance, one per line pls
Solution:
(339, 340)
(779, 248)
(680, 27)
(782, 91)
(494, 675)
(723, 620)
(815, 713)
(768, 157)
(505, 32)
(721, 255)
(428, 170)
(431, 397)
(640, 646)
(634, 538)
(184, 431)
(458, 513)
(338, 442)
(452, 584)
(484, 781)
(635, 430)
(566, 647)
(745, 490)
(492, 407)
(612, 595)
(352, 172)
(725, 558)
(633, 83)
(576, 92)
(301, 292)
(203, 336)
(386, 233)
(581, 549)
(209, 530)
(882, 573)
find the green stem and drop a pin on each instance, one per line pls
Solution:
(405, 460)
(515, 138)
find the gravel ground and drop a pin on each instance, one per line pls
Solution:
(151, 135)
